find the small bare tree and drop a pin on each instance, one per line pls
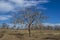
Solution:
(30, 17)
(4, 25)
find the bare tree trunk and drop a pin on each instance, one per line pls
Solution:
(29, 26)
(29, 30)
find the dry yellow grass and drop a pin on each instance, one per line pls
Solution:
(9, 34)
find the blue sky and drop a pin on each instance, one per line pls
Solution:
(50, 7)
(53, 11)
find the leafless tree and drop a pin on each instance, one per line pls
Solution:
(49, 27)
(4, 25)
(33, 17)
(29, 17)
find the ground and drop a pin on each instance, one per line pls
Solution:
(10, 34)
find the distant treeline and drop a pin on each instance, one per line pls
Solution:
(48, 27)
(33, 27)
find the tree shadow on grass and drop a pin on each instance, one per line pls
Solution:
(1, 35)
(18, 35)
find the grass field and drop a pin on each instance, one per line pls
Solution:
(9, 34)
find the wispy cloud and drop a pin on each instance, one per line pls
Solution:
(51, 24)
(5, 7)
(5, 17)
(26, 3)
(9, 5)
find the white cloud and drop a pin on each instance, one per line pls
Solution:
(26, 3)
(10, 5)
(51, 24)
(5, 7)
(5, 17)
